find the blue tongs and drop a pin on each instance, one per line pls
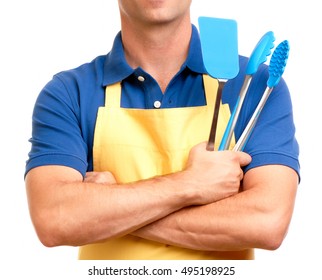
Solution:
(259, 55)
(276, 69)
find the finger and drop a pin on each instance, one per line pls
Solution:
(244, 158)
(241, 175)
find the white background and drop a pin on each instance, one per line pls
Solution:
(42, 37)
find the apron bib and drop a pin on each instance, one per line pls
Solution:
(137, 144)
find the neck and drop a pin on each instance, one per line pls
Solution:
(160, 49)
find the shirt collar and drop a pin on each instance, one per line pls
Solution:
(194, 60)
(117, 69)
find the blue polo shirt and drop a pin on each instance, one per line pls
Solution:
(65, 111)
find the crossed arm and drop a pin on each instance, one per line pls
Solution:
(203, 207)
(257, 217)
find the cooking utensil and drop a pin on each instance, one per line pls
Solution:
(276, 69)
(219, 45)
(259, 55)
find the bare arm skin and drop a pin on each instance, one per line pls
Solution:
(67, 210)
(257, 217)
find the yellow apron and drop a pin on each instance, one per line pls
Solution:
(136, 144)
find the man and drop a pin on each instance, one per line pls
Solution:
(119, 165)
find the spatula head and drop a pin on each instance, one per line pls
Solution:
(219, 45)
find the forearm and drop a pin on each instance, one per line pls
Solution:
(213, 227)
(112, 211)
(75, 212)
(258, 217)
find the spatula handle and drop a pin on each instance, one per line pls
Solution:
(251, 124)
(212, 135)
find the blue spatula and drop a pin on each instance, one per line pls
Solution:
(219, 45)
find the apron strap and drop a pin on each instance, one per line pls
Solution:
(113, 92)
(211, 86)
(113, 95)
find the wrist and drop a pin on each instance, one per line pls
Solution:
(182, 187)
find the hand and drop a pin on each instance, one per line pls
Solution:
(215, 175)
(100, 178)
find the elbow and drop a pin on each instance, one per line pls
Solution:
(50, 230)
(272, 234)
(273, 240)
(48, 238)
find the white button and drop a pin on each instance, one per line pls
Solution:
(157, 104)
(141, 78)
